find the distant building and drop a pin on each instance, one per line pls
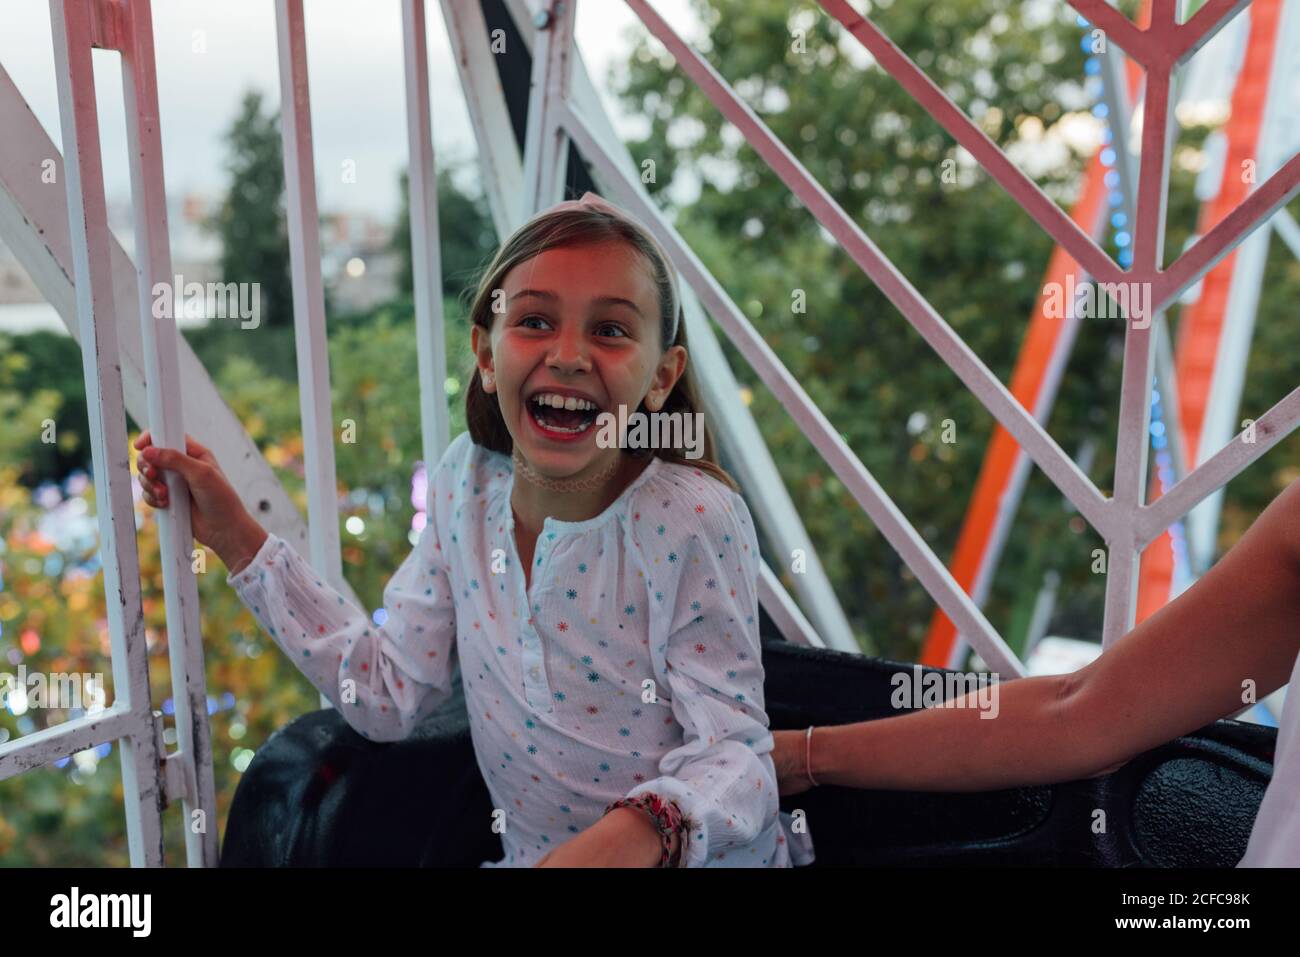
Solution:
(358, 267)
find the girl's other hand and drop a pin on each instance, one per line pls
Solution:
(788, 754)
(217, 516)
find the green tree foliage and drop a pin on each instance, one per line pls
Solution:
(374, 381)
(251, 219)
(1017, 69)
(73, 815)
(41, 382)
(465, 229)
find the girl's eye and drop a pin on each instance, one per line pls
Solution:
(604, 329)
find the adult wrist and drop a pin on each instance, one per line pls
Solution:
(819, 754)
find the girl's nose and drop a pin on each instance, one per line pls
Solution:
(570, 351)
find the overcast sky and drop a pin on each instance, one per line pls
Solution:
(356, 68)
(354, 54)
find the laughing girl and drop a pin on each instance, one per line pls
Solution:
(600, 602)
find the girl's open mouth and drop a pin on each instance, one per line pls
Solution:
(559, 422)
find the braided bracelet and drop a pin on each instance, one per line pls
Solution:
(668, 821)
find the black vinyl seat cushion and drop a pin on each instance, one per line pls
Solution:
(318, 794)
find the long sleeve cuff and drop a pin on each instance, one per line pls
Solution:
(734, 808)
(245, 575)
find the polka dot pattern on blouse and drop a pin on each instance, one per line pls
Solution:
(629, 664)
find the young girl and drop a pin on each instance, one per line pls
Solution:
(1228, 640)
(600, 602)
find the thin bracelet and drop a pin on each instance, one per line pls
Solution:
(808, 757)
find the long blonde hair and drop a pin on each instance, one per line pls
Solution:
(580, 225)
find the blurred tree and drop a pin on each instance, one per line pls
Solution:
(465, 229)
(1018, 71)
(52, 597)
(251, 219)
(971, 251)
(376, 386)
(43, 406)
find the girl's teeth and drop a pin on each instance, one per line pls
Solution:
(568, 403)
(561, 402)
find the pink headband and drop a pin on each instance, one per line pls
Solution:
(592, 201)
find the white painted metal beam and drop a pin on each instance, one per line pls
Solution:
(167, 427)
(34, 225)
(308, 295)
(1116, 96)
(499, 163)
(546, 148)
(1219, 469)
(41, 747)
(71, 23)
(426, 258)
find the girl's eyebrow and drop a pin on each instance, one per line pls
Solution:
(599, 300)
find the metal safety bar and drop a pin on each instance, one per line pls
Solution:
(193, 759)
(310, 344)
(151, 777)
(426, 262)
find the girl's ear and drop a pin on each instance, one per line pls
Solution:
(671, 367)
(481, 343)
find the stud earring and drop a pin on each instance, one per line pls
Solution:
(488, 379)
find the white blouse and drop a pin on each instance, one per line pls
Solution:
(630, 663)
(1275, 839)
